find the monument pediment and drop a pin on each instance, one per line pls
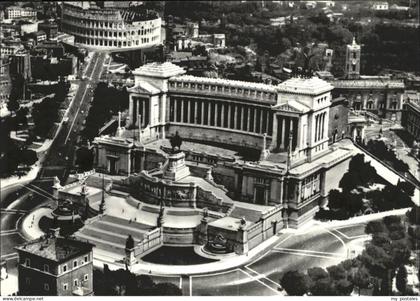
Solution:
(144, 88)
(291, 107)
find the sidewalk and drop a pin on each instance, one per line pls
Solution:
(31, 230)
(15, 180)
(362, 219)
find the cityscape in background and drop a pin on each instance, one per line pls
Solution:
(210, 148)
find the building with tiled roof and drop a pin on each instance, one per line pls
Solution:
(55, 266)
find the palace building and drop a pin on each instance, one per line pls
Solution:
(110, 25)
(411, 114)
(380, 96)
(255, 159)
(55, 266)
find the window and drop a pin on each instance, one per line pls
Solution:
(310, 186)
(46, 287)
(65, 286)
(76, 282)
(46, 268)
(86, 277)
(74, 263)
(27, 262)
(64, 268)
(28, 281)
(86, 258)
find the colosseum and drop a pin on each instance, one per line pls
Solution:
(111, 25)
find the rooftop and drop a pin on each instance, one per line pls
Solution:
(369, 83)
(228, 223)
(58, 249)
(309, 86)
(166, 69)
(231, 83)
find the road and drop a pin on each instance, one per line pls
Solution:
(60, 158)
(59, 161)
(315, 246)
(392, 139)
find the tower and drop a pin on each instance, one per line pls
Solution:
(352, 68)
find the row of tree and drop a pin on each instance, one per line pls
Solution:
(107, 102)
(385, 153)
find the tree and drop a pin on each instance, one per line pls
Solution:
(337, 272)
(323, 287)
(28, 157)
(344, 287)
(361, 279)
(167, 289)
(375, 227)
(407, 187)
(84, 159)
(295, 283)
(414, 215)
(317, 273)
(44, 115)
(401, 280)
(336, 199)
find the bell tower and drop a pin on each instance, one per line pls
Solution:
(352, 67)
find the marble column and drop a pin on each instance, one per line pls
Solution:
(195, 112)
(222, 115)
(188, 111)
(290, 130)
(316, 128)
(248, 119)
(274, 132)
(242, 118)
(175, 109)
(235, 119)
(208, 113)
(216, 113)
(202, 113)
(182, 110)
(138, 110)
(255, 120)
(131, 109)
(229, 115)
(283, 132)
(262, 130)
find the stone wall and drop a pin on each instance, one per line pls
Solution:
(206, 199)
(338, 121)
(216, 135)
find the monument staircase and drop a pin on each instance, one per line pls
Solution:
(109, 233)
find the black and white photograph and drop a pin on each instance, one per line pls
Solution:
(210, 148)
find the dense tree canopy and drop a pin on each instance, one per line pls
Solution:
(124, 283)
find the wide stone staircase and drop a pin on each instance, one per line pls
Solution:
(109, 233)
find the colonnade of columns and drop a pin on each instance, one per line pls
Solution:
(139, 106)
(231, 115)
(320, 128)
(285, 125)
